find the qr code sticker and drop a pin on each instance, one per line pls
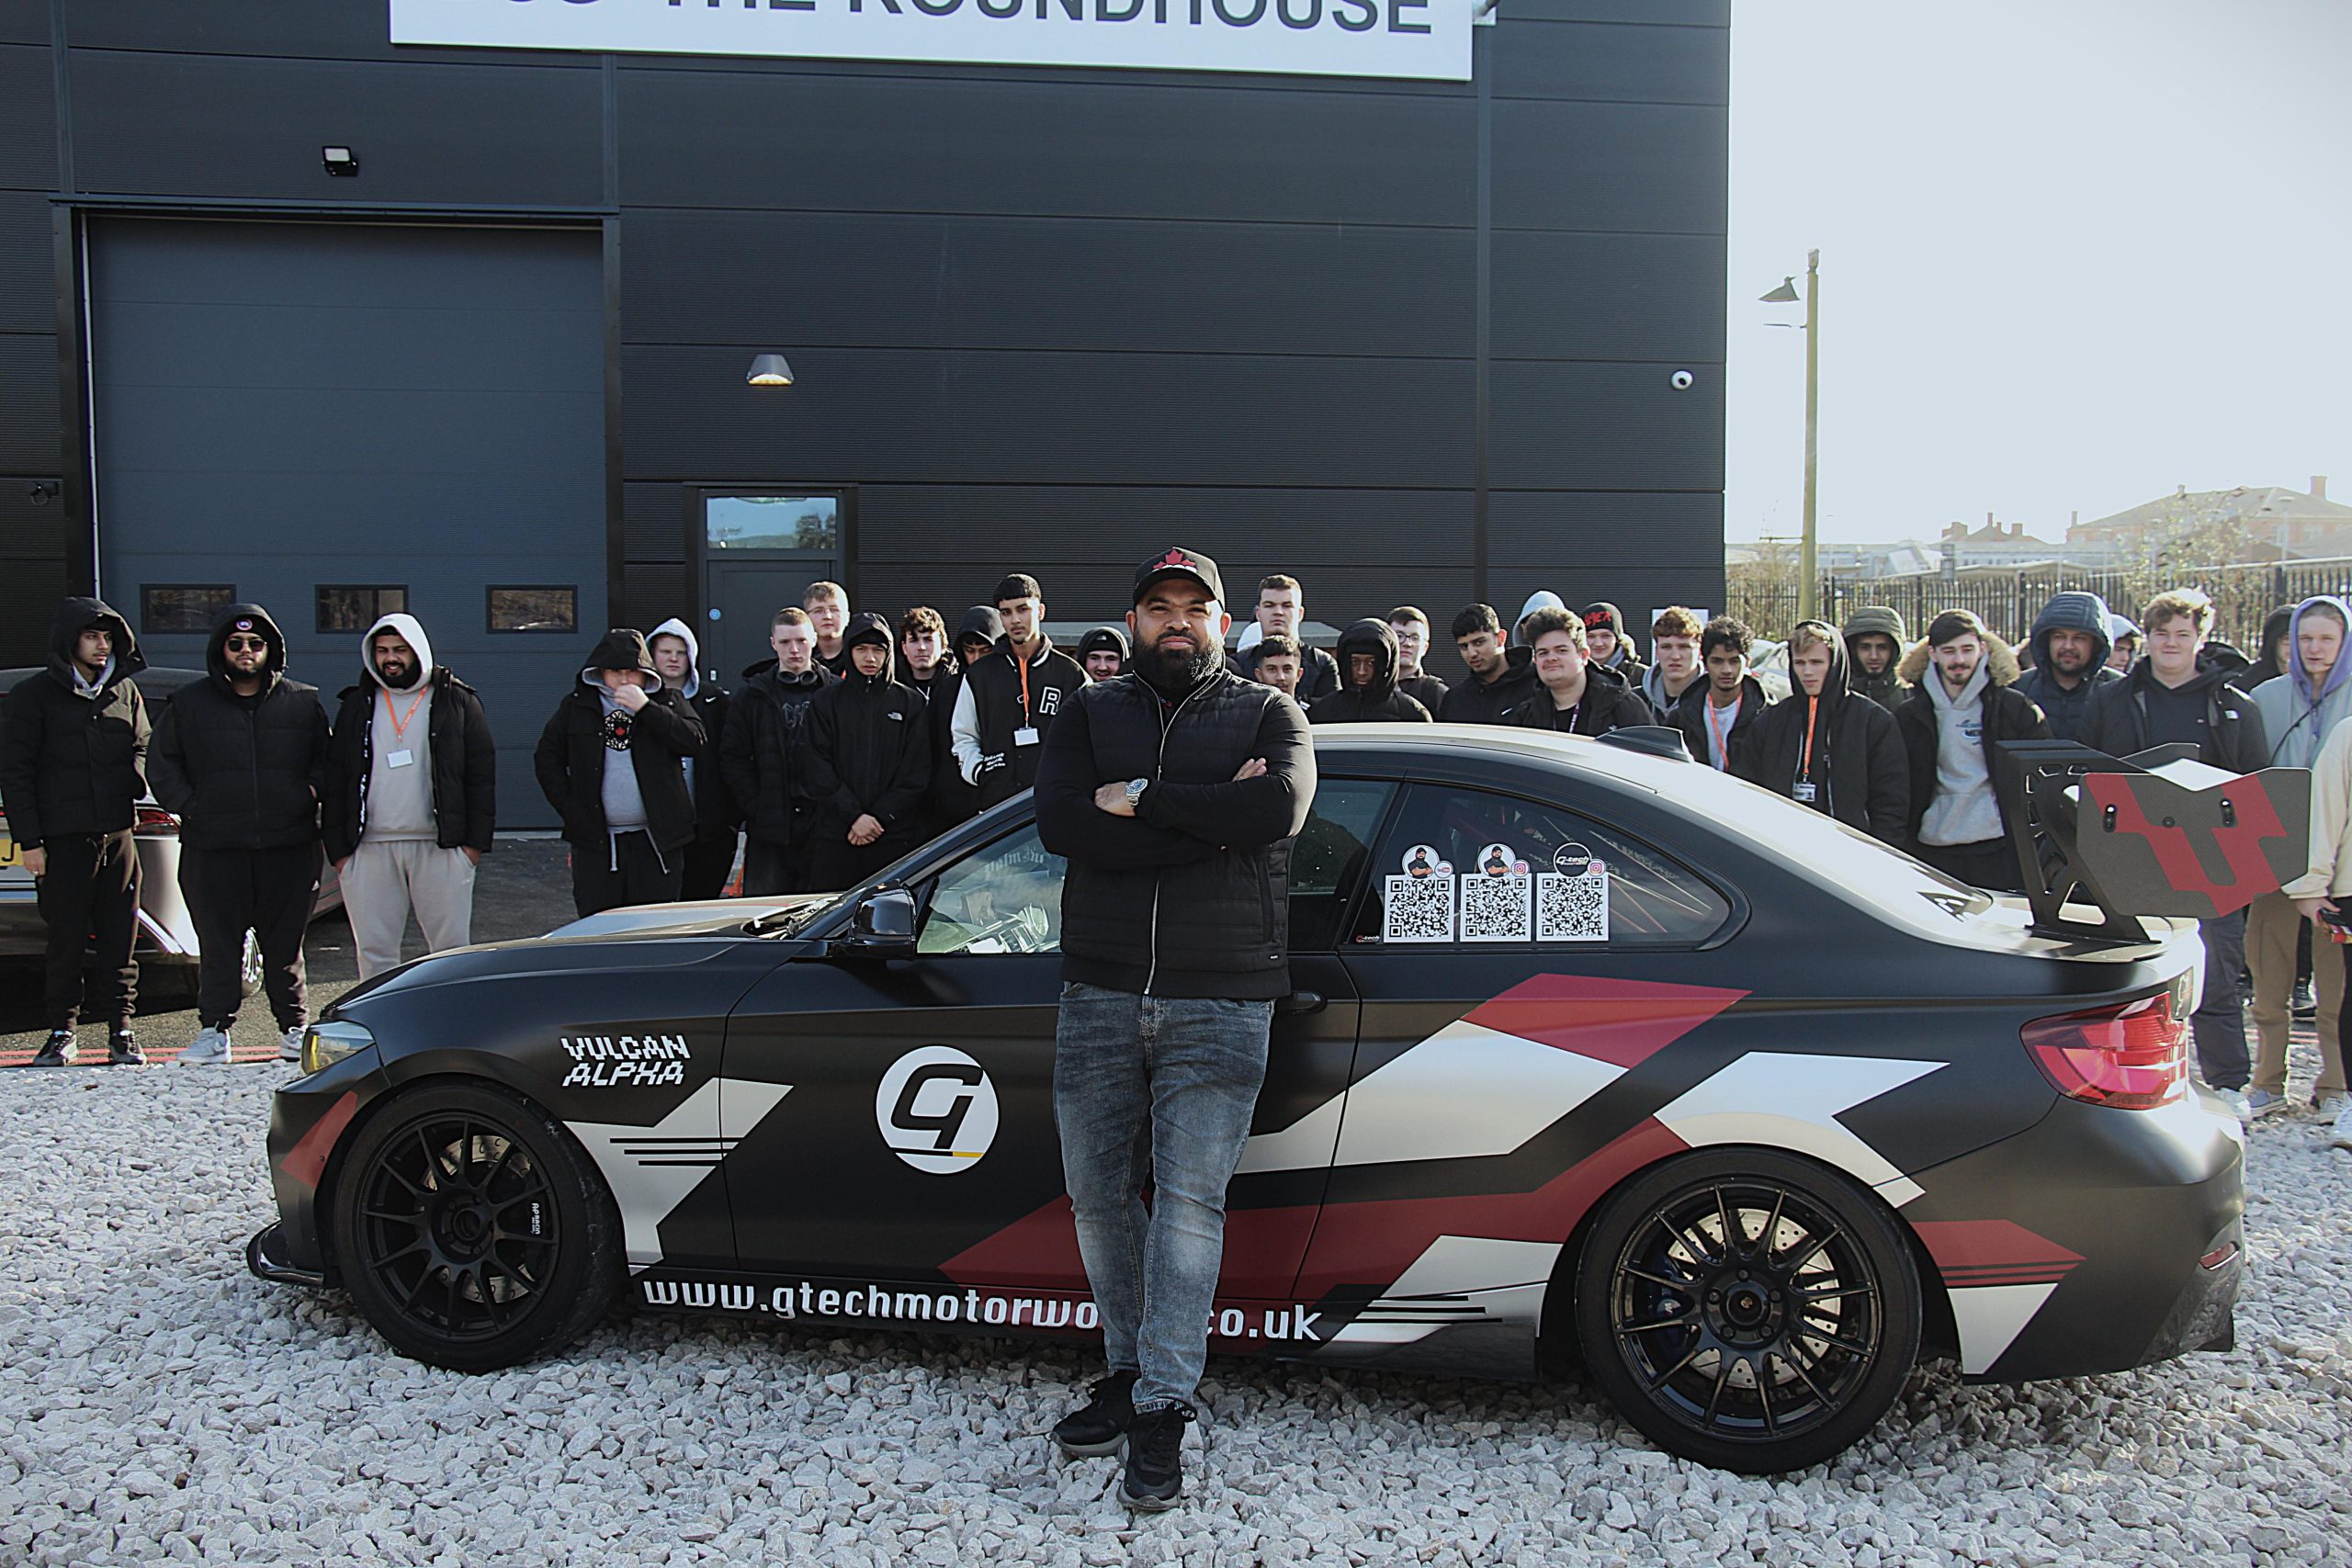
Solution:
(1417, 908)
(1495, 909)
(1572, 908)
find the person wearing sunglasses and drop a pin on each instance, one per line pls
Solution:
(242, 757)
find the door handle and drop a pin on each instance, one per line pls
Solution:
(1299, 1003)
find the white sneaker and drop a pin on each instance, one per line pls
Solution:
(2331, 1106)
(210, 1050)
(2235, 1100)
(289, 1044)
(2341, 1138)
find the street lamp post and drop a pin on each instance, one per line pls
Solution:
(1808, 549)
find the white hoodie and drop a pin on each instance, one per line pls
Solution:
(399, 747)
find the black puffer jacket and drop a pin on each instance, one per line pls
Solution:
(72, 764)
(1608, 703)
(2233, 735)
(243, 772)
(1378, 703)
(762, 747)
(1191, 897)
(1859, 770)
(1473, 701)
(573, 752)
(868, 750)
(2069, 707)
(1885, 688)
(465, 766)
(2008, 713)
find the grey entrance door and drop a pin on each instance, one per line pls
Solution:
(316, 414)
(745, 595)
(760, 551)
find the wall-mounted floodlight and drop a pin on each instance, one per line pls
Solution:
(770, 370)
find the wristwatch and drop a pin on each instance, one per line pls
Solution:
(1135, 791)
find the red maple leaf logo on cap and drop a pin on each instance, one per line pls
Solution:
(1175, 558)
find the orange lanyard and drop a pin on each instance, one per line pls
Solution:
(1723, 729)
(1023, 665)
(1812, 712)
(399, 720)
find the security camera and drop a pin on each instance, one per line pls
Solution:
(1683, 379)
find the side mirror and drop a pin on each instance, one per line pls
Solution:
(883, 926)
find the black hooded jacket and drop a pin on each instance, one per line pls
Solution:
(1689, 715)
(1378, 703)
(868, 752)
(2232, 724)
(573, 750)
(1319, 672)
(2068, 709)
(1486, 702)
(1859, 770)
(465, 765)
(1885, 688)
(243, 772)
(1608, 703)
(762, 750)
(69, 763)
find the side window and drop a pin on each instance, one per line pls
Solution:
(1005, 897)
(1469, 867)
(1328, 858)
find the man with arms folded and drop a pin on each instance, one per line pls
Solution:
(1174, 791)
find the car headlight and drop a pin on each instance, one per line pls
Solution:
(323, 1045)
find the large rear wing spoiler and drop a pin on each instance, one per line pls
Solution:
(2116, 837)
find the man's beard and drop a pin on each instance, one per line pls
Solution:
(395, 674)
(1172, 670)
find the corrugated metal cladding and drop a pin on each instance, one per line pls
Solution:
(1041, 319)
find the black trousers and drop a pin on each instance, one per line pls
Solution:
(836, 863)
(630, 870)
(267, 892)
(89, 900)
(707, 863)
(1989, 864)
(772, 868)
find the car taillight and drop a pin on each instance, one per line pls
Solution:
(155, 819)
(2132, 1057)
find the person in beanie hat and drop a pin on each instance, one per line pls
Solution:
(869, 759)
(1608, 644)
(73, 766)
(241, 757)
(1102, 653)
(1962, 704)
(677, 654)
(1174, 791)
(1367, 693)
(1011, 699)
(611, 762)
(2070, 646)
(1874, 638)
(412, 796)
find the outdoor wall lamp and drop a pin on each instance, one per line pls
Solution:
(340, 161)
(770, 370)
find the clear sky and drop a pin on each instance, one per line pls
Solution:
(2074, 253)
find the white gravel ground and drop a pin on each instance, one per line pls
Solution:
(160, 1404)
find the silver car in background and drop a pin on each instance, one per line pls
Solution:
(165, 934)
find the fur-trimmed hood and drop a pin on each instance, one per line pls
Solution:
(1997, 652)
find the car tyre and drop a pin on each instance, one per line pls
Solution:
(1749, 1309)
(471, 1230)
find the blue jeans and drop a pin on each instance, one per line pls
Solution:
(1155, 1090)
(2219, 1023)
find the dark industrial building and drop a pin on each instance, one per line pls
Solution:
(1411, 339)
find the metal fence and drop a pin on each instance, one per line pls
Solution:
(2008, 601)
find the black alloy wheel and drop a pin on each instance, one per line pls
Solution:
(470, 1232)
(1748, 1309)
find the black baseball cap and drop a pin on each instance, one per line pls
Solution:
(1178, 561)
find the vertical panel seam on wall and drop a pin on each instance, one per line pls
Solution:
(1482, 66)
(616, 543)
(61, 95)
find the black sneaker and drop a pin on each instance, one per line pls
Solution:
(1155, 1476)
(122, 1049)
(58, 1052)
(2305, 1004)
(1098, 1426)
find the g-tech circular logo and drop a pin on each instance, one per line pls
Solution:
(937, 1109)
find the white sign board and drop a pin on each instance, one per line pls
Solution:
(1429, 39)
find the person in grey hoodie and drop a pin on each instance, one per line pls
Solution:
(609, 762)
(2070, 646)
(677, 654)
(1958, 711)
(2300, 709)
(411, 798)
(1875, 636)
